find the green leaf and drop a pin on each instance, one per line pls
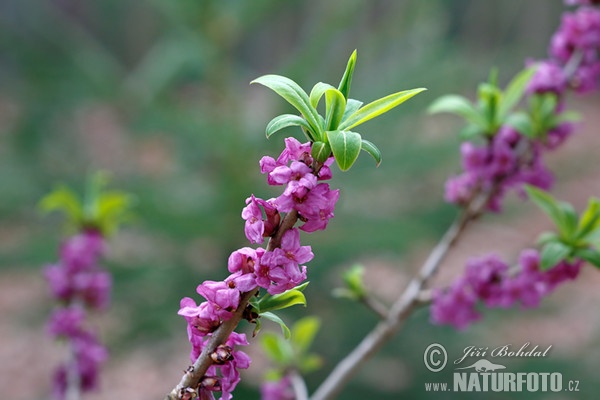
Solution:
(569, 221)
(372, 150)
(521, 121)
(62, 198)
(378, 107)
(351, 107)
(320, 151)
(310, 363)
(589, 255)
(287, 120)
(293, 94)
(489, 98)
(547, 237)
(345, 146)
(514, 91)
(317, 92)
(590, 218)
(273, 317)
(353, 278)
(345, 293)
(552, 254)
(546, 202)
(460, 106)
(470, 131)
(335, 104)
(344, 86)
(113, 209)
(281, 301)
(277, 349)
(304, 332)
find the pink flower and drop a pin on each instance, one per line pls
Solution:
(278, 270)
(225, 298)
(277, 390)
(256, 227)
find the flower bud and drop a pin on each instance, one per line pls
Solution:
(211, 383)
(222, 354)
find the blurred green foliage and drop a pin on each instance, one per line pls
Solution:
(157, 93)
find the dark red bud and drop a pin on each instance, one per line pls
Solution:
(222, 354)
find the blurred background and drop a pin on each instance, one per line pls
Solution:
(157, 93)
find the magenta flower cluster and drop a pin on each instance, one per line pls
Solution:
(508, 160)
(497, 167)
(78, 282)
(276, 270)
(578, 40)
(490, 281)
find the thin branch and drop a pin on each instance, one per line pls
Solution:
(375, 305)
(73, 390)
(401, 309)
(300, 391)
(193, 376)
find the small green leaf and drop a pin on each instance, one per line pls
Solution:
(113, 209)
(344, 293)
(569, 221)
(281, 301)
(304, 332)
(470, 131)
(320, 151)
(317, 92)
(345, 146)
(460, 106)
(310, 363)
(335, 104)
(344, 86)
(257, 327)
(546, 203)
(521, 121)
(552, 254)
(62, 198)
(372, 150)
(378, 107)
(547, 237)
(353, 278)
(273, 317)
(293, 94)
(590, 218)
(351, 107)
(287, 120)
(589, 255)
(277, 349)
(514, 91)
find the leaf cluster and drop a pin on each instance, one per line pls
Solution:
(99, 209)
(293, 353)
(492, 109)
(265, 305)
(577, 236)
(331, 133)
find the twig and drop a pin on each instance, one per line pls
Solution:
(300, 391)
(73, 390)
(193, 376)
(401, 309)
(375, 305)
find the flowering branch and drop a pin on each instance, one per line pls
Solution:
(194, 375)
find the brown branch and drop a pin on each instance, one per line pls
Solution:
(401, 309)
(192, 377)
